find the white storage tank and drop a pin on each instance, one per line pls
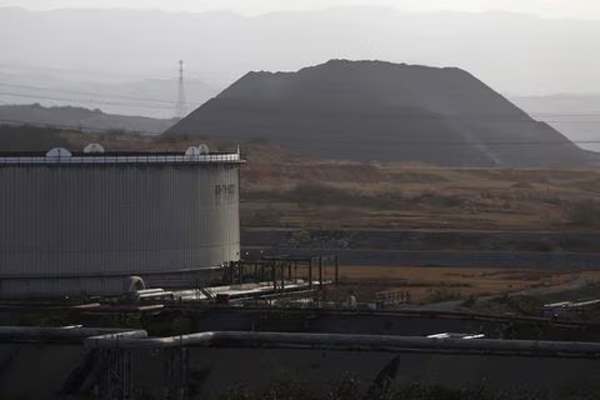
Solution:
(82, 223)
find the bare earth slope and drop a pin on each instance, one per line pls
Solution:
(370, 110)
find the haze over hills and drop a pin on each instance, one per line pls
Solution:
(382, 111)
(125, 95)
(82, 119)
(575, 115)
(125, 61)
(542, 55)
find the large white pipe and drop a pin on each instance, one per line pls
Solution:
(527, 348)
(148, 291)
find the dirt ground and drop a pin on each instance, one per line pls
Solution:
(358, 196)
(429, 285)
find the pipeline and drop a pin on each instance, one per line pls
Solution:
(67, 334)
(93, 338)
(341, 342)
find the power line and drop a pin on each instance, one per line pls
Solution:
(46, 89)
(70, 71)
(79, 127)
(177, 103)
(488, 117)
(531, 155)
(570, 115)
(37, 97)
(324, 140)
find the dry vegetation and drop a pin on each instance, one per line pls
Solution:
(283, 190)
(355, 196)
(433, 284)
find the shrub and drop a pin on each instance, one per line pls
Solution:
(30, 138)
(469, 302)
(319, 194)
(439, 200)
(353, 389)
(301, 237)
(585, 213)
(440, 295)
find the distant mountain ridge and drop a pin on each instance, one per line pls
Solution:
(373, 110)
(134, 53)
(515, 53)
(78, 118)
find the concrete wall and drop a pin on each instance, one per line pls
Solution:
(107, 222)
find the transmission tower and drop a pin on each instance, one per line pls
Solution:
(181, 110)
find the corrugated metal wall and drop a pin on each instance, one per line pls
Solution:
(76, 220)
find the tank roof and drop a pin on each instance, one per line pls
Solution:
(79, 157)
(18, 153)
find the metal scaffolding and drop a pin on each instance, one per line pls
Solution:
(282, 269)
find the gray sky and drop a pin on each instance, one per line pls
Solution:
(549, 8)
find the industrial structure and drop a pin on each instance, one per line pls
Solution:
(96, 223)
(103, 363)
(181, 107)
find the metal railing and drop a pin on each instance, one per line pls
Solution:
(112, 159)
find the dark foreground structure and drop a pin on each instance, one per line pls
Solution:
(128, 364)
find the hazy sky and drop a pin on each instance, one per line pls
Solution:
(549, 8)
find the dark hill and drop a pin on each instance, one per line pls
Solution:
(80, 119)
(369, 110)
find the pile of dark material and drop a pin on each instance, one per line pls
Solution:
(371, 110)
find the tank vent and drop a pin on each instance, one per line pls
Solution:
(192, 151)
(93, 148)
(203, 149)
(58, 152)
